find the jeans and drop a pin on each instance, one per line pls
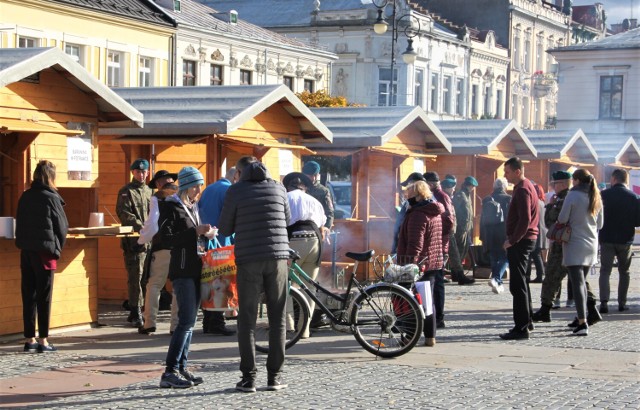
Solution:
(499, 264)
(518, 255)
(608, 251)
(254, 277)
(187, 293)
(36, 286)
(536, 259)
(438, 295)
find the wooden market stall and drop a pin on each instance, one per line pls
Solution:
(386, 144)
(559, 150)
(209, 128)
(614, 151)
(51, 108)
(479, 148)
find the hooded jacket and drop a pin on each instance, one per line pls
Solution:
(256, 209)
(421, 235)
(178, 233)
(41, 224)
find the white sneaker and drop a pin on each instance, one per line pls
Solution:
(494, 285)
(500, 289)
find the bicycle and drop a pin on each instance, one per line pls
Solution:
(385, 318)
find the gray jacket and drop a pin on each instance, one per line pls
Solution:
(582, 248)
(256, 209)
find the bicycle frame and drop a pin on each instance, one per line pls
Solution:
(295, 274)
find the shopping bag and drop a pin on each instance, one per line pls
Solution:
(219, 289)
(424, 289)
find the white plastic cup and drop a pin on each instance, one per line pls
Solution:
(96, 219)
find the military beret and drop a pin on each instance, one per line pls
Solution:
(448, 183)
(470, 181)
(140, 163)
(560, 176)
(311, 168)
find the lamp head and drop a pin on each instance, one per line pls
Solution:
(410, 55)
(380, 26)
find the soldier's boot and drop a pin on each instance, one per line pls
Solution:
(543, 314)
(593, 316)
(137, 320)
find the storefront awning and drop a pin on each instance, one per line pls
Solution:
(264, 143)
(9, 126)
(160, 140)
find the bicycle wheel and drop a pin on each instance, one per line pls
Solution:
(297, 319)
(387, 320)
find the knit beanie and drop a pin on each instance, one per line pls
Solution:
(188, 177)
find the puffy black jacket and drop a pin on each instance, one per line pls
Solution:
(256, 209)
(41, 224)
(178, 233)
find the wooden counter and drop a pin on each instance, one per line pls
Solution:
(75, 286)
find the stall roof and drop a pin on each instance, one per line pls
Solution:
(213, 109)
(556, 144)
(611, 148)
(358, 127)
(18, 64)
(480, 137)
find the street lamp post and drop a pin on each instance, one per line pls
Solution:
(380, 27)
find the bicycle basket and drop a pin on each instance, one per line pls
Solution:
(398, 273)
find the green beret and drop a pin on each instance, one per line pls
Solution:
(470, 181)
(140, 163)
(311, 168)
(560, 176)
(447, 183)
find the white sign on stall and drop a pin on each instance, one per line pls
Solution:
(285, 158)
(79, 153)
(418, 165)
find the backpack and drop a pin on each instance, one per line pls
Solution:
(492, 213)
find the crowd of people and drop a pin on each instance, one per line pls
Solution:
(264, 218)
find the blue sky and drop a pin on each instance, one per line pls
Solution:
(616, 10)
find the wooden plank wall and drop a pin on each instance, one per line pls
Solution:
(75, 286)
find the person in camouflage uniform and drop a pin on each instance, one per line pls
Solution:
(323, 195)
(319, 191)
(462, 202)
(552, 282)
(132, 208)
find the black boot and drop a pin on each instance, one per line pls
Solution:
(593, 316)
(464, 279)
(206, 321)
(136, 317)
(542, 315)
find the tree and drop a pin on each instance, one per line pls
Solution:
(322, 99)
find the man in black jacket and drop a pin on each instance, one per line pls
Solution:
(621, 216)
(256, 209)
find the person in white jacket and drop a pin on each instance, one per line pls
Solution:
(163, 181)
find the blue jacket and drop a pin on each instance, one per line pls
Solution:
(210, 206)
(621, 215)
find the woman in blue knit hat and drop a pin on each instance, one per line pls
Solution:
(181, 230)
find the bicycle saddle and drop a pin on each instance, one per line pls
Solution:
(293, 255)
(361, 256)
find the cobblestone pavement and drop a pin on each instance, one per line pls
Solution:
(470, 367)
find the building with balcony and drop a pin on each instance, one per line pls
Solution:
(588, 23)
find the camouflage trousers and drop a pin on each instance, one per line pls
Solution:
(134, 263)
(554, 275)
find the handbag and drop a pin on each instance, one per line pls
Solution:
(218, 287)
(559, 232)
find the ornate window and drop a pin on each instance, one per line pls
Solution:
(611, 96)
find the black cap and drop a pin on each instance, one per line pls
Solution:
(293, 180)
(431, 176)
(163, 173)
(415, 176)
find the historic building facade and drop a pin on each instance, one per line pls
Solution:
(124, 43)
(526, 28)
